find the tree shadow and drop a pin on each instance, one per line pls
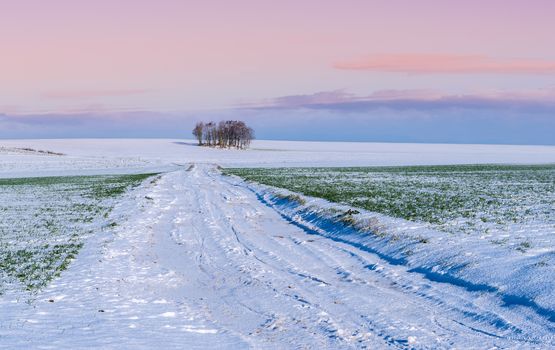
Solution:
(185, 143)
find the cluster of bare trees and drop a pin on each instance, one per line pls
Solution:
(225, 134)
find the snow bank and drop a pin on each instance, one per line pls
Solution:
(519, 279)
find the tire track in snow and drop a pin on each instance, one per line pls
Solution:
(243, 262)
(197, 261)
(289, 269)
(472, 314)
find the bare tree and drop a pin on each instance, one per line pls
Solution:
(198, 132)
(210, 134)
(225, 134)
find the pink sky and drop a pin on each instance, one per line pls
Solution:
(170, 55)
(448, 64)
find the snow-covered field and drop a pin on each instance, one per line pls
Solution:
(487, 228)
(98, 156)
(195, 259)
(44, 222)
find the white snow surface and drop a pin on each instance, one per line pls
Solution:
(108, 156)
(198, 260)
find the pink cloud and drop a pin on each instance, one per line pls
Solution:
(441, 63)
(85, 94)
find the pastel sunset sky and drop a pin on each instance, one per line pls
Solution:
(409, 71)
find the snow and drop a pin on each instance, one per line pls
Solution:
(204, 264)
(108, 156)
(519, 280)
(199, 260)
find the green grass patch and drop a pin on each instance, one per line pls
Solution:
(454, 198)
(44, 222)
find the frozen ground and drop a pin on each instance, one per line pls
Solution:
(84, 156)
(196, 259)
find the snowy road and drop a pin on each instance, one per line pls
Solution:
(197, 261)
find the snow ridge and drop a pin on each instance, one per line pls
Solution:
(519, 281)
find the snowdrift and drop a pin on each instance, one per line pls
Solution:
(519, 280)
